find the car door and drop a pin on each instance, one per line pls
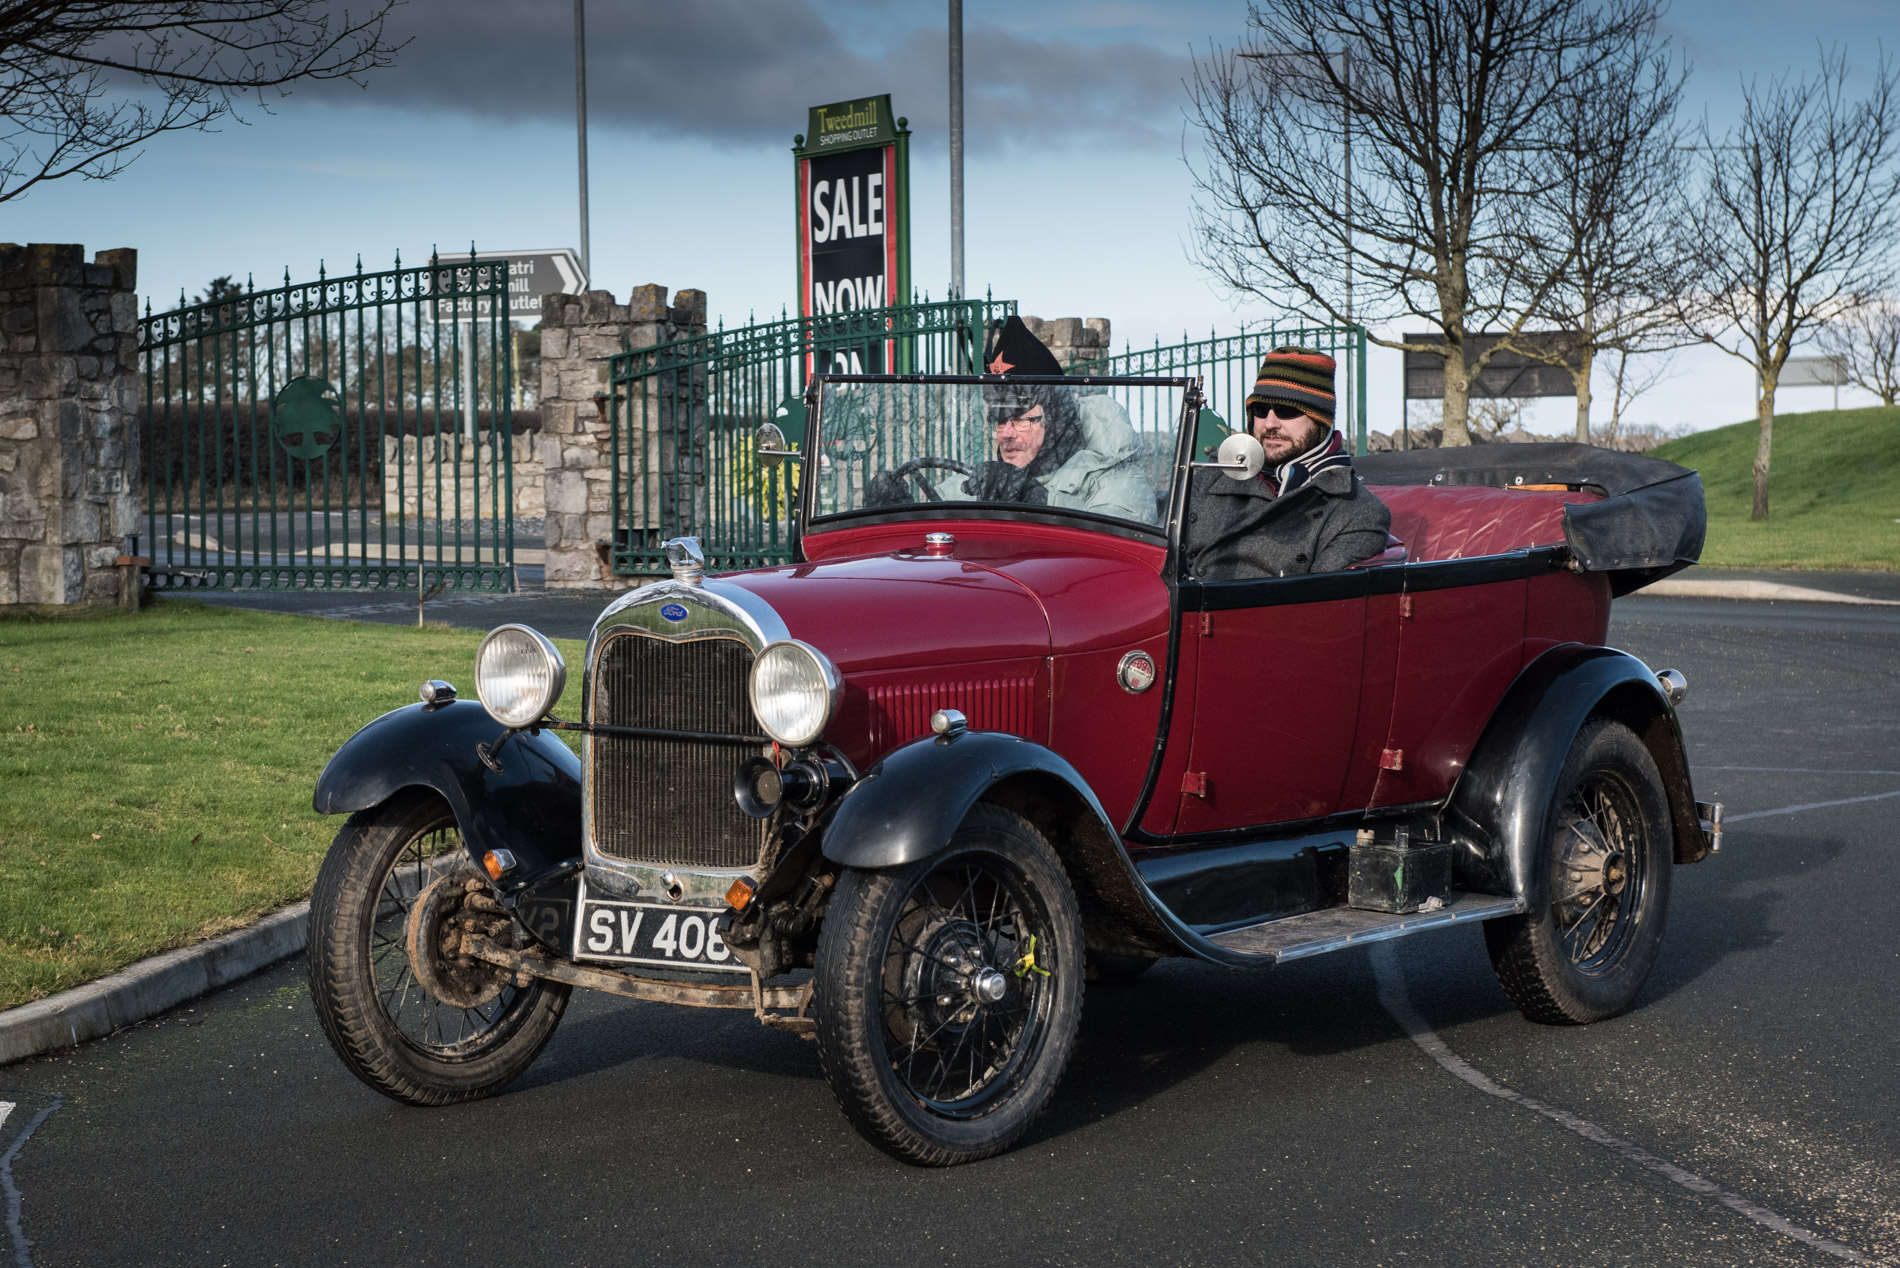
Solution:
(1277, 698)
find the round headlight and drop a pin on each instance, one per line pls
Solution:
(794, 689)
(518, 675)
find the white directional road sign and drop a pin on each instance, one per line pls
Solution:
(531, 274)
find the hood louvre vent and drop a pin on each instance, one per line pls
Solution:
(901, 712)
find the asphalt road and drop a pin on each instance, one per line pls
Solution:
(1373, 1108)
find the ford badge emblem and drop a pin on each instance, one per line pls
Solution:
(673, 611)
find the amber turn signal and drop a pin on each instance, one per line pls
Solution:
(498, 863)
(741, 893)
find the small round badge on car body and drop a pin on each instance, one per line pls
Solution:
(939, 543)
(1137, 672)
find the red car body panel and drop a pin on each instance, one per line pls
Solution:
(897, 611)
(1286, 711)
(1276, 694)
(1459, 648)
(1565, 607)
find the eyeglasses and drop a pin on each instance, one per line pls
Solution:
(1286, 412)
(1004, 416)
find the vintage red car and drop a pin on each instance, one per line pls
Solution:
(908, 794)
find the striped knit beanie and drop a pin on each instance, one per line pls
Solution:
(1297, 376)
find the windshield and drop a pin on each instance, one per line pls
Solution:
(1105, 448)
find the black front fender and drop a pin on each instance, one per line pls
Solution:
(908, 804)
(532, 806)
(1503, 799)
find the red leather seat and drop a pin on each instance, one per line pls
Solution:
(1463, 522)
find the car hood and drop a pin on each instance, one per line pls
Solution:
(890, 610)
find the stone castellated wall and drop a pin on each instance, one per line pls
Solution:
(1073, 340)
(69, 439)
(579, 333)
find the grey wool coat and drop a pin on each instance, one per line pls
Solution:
(1238, 529)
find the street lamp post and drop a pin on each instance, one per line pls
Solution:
(956, 149)
(580, 112)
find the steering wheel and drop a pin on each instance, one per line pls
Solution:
(910, 470)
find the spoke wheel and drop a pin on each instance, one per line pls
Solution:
(1584, 951)
(948, 993)
(408, 1014)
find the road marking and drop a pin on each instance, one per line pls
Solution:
(1811, 805)
(1393, 996)
(1801, 770)
(22, 1248)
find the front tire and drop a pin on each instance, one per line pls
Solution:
(948, 992)
(1586, 949)
(375, 1000)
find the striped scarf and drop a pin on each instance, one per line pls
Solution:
(1330, 452)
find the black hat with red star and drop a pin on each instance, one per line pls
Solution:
(1014, 350)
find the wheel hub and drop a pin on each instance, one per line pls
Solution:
(950, 979)
(444, 911)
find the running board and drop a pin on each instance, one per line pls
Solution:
(1336, 928)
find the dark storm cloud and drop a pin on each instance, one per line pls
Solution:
(743, 71)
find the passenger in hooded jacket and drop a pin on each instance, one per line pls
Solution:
(1056, 448)
(1052, 445)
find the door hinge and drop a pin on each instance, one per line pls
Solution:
(1405, 606)
(1207, 623)
(1194, 783)
(1392, 759)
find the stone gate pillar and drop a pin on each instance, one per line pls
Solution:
(1074, 341)
(70, 471)
(579, 333)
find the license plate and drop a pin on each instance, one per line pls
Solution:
(652, 934)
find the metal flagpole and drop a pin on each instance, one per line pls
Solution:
(1345, 67)
(580, 113)
(956, 149)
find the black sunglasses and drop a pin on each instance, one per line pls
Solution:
(1287, 412)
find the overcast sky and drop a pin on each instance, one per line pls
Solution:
(1078, 198)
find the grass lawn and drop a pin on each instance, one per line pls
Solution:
(155, 772)
(1833, 491)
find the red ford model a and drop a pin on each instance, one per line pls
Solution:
(907, 794)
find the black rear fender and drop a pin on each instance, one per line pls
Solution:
(531, 806)
(1500, 808)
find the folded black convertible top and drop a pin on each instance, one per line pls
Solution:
(1649, 524)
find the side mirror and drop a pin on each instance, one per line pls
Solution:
(1239, 457)
(770, 447)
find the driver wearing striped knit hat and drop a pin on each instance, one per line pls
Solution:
(1306, 511)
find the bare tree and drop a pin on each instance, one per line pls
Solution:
(1866, 341)
(1449, 104)
(1799, 221)
(1628, 381)
(84, 83)
(1607, 233)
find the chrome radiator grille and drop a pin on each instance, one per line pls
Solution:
(669, 802)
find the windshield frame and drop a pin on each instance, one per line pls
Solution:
(1190, 387)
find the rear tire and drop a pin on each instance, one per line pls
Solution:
(948, 992)
(389, 1029)
(1585, 952)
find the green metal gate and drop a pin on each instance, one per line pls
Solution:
(350, 433)
(1227, 364)
(684, 415)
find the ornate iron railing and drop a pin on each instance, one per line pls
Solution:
(352, 432)
(1227, 365)
(684, 415)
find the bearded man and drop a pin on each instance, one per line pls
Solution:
(1306, 511)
